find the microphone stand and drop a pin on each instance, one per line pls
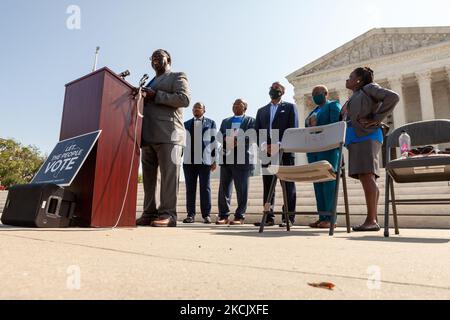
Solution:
(138, 114)
(139, 95)
(96, 59)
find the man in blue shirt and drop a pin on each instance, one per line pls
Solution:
(236, 167)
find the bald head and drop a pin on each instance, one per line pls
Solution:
(198, 110)
(239, 107)
(161, 61)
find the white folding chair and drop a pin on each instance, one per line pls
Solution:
(310, 140)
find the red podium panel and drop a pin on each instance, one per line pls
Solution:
(101, 101)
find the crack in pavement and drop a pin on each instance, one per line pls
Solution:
(229, 264)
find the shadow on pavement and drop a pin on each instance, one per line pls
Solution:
(4, 228)
(399, 239)
(276, 232)
(252, 231)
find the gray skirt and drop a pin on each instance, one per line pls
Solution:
(363, 158)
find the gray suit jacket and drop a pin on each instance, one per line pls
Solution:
(373, 102)
(163, 115)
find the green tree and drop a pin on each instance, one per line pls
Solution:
(18, 163)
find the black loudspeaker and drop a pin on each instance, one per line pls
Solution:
(38, 206)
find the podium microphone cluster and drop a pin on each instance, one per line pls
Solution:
(143, 80)
(124, 74)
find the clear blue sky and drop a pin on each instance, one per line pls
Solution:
(229, 49)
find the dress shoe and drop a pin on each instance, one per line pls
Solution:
(284, 225)
(237, 222)
(324, 225)
(145, 220)
(222, 222)
(164, 223)
(268, 223)
(315, 224)
(189, 220)
(207, 220)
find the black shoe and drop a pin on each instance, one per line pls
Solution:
(268, 223)
(207, 220)
(222, 221)
(164, 223)
(284, 225)
(146, 220)
(189, 220)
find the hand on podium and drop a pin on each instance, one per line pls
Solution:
(148, 93)
(145, 93)
(134, 93)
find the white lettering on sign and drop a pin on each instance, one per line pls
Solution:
(60, 165)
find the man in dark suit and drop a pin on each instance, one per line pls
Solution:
(271, 123)
(163, 139)
(237, 162)
(199, 161)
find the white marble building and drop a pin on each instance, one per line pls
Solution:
(414, 62)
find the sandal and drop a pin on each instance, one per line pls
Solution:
(366, 228)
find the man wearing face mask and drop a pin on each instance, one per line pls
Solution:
(326, 112)
(271, 123)
(163, 139)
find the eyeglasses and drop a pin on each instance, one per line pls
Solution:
(158, 55)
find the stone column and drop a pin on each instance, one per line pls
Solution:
(344, 94)
(301, 109)
(300, 101)
(426, 95)
(399, 113)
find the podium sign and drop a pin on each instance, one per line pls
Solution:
(66, 160)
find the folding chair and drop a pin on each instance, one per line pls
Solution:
(310, 140)
(430, 168)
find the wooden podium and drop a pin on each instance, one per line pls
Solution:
(102, 101)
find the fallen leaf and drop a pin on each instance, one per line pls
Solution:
(323, 285)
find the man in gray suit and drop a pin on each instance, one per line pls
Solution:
(163, 139)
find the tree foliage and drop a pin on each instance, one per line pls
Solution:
(18, 163)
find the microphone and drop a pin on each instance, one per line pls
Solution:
(143, 80)
(124, 74)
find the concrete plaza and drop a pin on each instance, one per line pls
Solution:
(210, 262)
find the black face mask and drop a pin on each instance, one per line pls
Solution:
(275, 94)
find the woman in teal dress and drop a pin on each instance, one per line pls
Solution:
(326, 112)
